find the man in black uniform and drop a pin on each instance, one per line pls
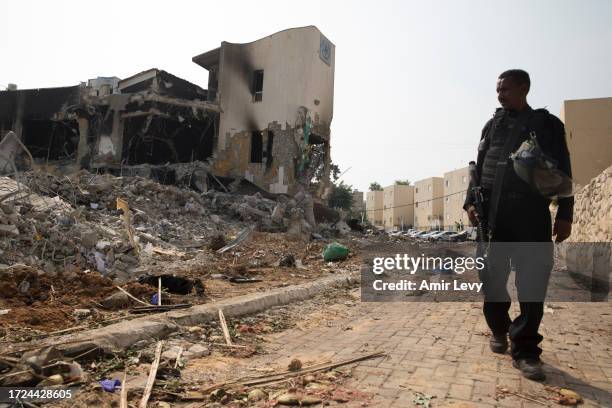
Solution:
(522, 215)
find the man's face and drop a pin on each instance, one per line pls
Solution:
(510, 94)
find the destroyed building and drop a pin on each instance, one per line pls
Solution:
(265, 116)
(276, 101)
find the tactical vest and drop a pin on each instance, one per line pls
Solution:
(492, 143)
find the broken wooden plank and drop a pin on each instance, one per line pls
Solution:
(132, 297)
(159, 291)
(152, 374)
(177, 362)
(269, 378)
(309, 370)
(155, 308)
(124, 401)
(226, 334)
(124, 206)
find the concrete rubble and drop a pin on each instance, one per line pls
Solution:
(80, 227)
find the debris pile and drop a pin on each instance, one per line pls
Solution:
(76, 222)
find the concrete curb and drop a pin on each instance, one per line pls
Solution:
(122, 335)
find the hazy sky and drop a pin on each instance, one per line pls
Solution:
(414, 81)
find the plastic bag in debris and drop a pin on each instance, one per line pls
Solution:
(110, 385)
(335, 252)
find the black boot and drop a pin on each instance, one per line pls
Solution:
(498, 343)
(531, 368)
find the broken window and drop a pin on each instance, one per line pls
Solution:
(269, 145)
(258, 77)
(157, 140)
(51, 140)
(256, 147)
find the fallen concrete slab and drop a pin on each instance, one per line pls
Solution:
(122, 335)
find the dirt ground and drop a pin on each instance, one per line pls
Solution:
(49, 303)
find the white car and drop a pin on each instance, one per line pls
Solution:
(428, 234)
(440, 235)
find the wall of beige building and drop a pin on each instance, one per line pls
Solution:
(588, 129)
(429, 203)
(374, 208)
(398, 207)
(456, 183)
(294, 75)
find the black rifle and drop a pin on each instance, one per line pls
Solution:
(482, 236)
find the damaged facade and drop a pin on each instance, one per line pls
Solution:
(265, 116)
(276, 101)
(152, 117)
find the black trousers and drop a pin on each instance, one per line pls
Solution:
(521, 240)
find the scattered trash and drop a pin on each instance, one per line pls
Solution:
(55, 379)
(423, 400)
(244, 234)
(565, 396)
(110, 385)
(335, 252)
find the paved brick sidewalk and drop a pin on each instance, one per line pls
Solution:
(441, 349)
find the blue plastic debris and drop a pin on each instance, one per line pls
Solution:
(110, 385)
(154, 299)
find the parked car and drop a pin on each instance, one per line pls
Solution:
(440, 235)
(428, 234)
(456, 237)
(417, 234)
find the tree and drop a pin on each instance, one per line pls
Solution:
(374, 186)
(317, 162)
(402, 182)
(342, 197)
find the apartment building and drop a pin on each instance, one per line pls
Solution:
(429, 203)
(374, 208)
(588, 129)
(456, 183)
(398, 208)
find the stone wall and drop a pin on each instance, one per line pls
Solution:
(587, 252)
(593, 210)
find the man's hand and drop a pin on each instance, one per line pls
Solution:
(473, 215)
(562, 230)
